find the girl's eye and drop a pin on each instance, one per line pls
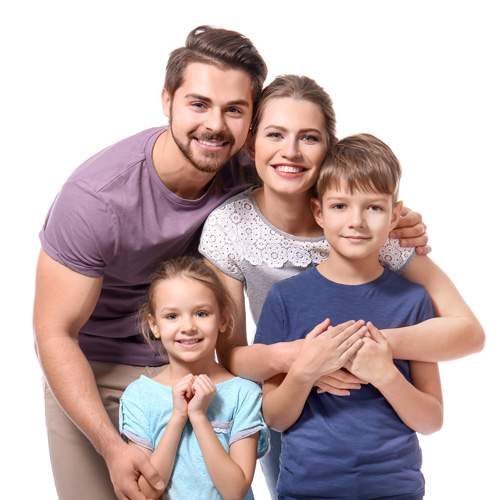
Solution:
(171, 316)
(202, 314)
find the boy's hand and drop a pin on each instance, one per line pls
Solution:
(339, 383)
(373, 361)
(411, 231)
(327, 349)
(203, 392)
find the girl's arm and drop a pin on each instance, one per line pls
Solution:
(454, 334)
(231, 473)
(419, 406)
(163, 456)
(322, 352)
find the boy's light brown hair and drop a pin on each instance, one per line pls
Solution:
(360, 162)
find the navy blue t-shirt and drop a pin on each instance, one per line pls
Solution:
(346, 447)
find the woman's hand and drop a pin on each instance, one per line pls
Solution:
(411, 231)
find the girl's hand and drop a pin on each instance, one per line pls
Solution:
(182, 393)
(373, 362)
(203, 392)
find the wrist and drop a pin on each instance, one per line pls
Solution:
(387, 378)
(284, 354)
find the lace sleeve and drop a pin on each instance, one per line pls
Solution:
(218, 242)
(395, 257)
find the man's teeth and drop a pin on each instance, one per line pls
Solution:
(210, 143)
(288, 169)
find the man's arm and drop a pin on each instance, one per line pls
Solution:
(64, 300)
(454, 334)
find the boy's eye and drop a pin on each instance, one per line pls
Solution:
(375, 208)
(339, 206)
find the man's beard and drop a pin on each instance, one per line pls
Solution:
(205, 161)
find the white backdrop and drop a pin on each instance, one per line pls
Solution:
(423, 76)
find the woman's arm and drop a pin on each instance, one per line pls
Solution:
(419, 406)
(454, 334)
(257, 362)
(324, 350)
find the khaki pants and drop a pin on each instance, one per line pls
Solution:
(80, 473)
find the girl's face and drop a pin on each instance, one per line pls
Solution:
(186, 319)
(290, 145)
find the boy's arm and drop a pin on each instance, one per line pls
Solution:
(454, 334)
(419, 406)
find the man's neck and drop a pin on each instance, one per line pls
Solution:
(176, 171)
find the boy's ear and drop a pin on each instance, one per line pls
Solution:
(316, 210)
(396, 214)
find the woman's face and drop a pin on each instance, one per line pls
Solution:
(290, 145)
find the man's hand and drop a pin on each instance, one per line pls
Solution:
(126, 463)
(411, 231)
(339, 383)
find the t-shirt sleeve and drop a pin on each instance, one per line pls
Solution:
(248, 418)
(80, 230)
(133, 421)
(395, 257)
(218, 243)
(271, 324)
(426, 310)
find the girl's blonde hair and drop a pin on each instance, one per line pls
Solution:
(186, 267)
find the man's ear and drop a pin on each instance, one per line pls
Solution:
(396, 214)
(316, 210)
(166, 102)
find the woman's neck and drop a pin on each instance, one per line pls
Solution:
(289, 213)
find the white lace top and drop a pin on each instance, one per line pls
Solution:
(243, 244)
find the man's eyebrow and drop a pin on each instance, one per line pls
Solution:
(198, 97)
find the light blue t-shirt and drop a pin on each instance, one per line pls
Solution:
(234, 412)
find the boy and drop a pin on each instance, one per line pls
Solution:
(362, 446)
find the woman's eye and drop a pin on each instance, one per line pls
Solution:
(310, 138)
(274, 135)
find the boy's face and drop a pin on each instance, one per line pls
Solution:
(209, 115)
(357, 224)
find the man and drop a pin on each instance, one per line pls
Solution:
(140, 201)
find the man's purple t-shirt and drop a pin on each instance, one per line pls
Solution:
(115, 218)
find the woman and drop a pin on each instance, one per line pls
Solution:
(268, 233)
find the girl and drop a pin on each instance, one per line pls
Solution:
(201, 427)
(268, 233)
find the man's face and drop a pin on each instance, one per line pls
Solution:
(210, 114)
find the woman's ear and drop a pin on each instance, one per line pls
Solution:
(396, 214)
(316, 210)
